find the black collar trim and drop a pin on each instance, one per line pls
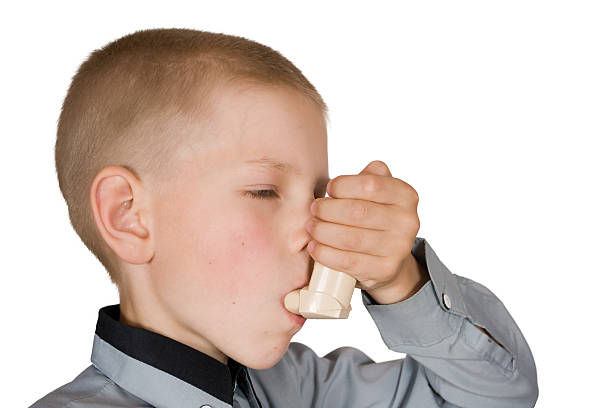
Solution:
(166, 354)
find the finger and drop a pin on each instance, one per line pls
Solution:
(373, 187)
(349, 238)
(365, 214)
(357, 265)
(376, 167)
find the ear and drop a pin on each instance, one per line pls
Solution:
(120, 209)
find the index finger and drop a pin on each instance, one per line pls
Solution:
(372, 187)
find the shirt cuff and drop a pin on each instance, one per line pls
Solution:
(429, 315)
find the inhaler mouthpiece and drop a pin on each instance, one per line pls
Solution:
(328, 296)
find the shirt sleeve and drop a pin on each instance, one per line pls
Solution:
(436, 327)
(449, 362)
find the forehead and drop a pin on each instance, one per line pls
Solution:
(255, 103)
(273, 127)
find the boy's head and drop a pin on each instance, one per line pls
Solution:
(165, 156)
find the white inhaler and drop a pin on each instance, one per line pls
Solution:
(327, 296)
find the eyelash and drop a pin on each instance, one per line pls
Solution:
(258, 194)
(264, 194)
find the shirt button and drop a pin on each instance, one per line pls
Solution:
(205, 406)
(446, 300)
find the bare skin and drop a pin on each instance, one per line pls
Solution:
(207, 263)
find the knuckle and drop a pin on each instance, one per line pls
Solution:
(371, 183)
(412, 191)
(411, 223)
(358, 211)
(416, 224)
(380, 164)
(407, 220)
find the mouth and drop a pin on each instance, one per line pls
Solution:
(295, 318)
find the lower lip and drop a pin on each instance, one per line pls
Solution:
(296, 318)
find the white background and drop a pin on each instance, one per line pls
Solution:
(499, 114)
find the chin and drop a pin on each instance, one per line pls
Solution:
(263, 361)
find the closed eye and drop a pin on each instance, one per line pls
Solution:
(268, 194)
(262, 194)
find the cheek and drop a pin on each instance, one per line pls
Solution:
(232, 253)
(248, 255)
(218, 255)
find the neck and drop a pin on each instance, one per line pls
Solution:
(142, 311)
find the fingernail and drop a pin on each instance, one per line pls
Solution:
(309, 225)
(313, 205)
(311, 245)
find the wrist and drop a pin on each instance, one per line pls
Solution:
(411, 277)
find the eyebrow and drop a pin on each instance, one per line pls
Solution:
(275, 164)
(279, 165)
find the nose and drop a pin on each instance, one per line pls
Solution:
(306, 237)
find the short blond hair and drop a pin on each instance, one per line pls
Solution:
(127, 97)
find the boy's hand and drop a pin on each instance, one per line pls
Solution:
(366, 228)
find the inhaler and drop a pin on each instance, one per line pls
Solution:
(327, 296)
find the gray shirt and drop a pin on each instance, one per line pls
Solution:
(449, 362)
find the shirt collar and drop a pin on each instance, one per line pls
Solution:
(148, 364)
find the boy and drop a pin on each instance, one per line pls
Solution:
(188, 161)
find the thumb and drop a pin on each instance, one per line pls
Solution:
(376, 167)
